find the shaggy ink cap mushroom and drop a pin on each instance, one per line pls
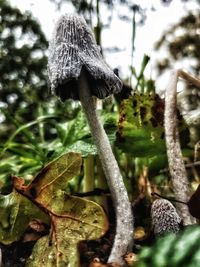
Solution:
(165, 218)
(72, 49)
(77, 70)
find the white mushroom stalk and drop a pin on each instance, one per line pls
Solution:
(175, 160)
(78, 71)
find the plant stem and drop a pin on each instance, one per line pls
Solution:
(102, 184)
(124, 218)
(88, 181)
(98, 26)
(133, 42)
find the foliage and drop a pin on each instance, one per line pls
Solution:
(29, 148)
(182, 40)
(16, 214)
(140, 129)
(23, 65)
(181, 250)
(182, 43)
(72, 218)
(36, 131)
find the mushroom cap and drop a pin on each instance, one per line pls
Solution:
(73, 48)
(165, 218)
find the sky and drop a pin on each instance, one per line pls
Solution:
(120, 32)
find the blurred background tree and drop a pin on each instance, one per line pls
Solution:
(181, 43)
(23, 63)
(24, 92)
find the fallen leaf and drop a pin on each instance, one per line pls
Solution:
(140, 128)
(73, 219)
(16, 211)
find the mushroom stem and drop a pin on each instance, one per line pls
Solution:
(124, 217)
(175, 160)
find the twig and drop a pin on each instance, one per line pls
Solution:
(187, 166)
(168, 198)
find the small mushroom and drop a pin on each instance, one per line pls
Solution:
(77, 70)
(165, 218)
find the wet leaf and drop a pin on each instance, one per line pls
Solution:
(51, 179)
(174, 250)
(16, 211)
(140, 129)
(84, 147)
(80, 220)
(74, 130)
(75, 135)
(73, 218)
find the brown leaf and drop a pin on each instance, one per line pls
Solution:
(55, 175)
(16, 213)
(73, 219)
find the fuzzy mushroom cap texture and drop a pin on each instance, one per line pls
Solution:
(165, 218)
(72, 49)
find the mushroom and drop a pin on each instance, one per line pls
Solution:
(77, 70)
(165, 218)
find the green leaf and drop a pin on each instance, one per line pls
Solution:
(23, 128)
(50, 179)
(74, 130)
(145, 61)
(73, 218)
(82, 147)
(140, 129)
(16, 211)
(75, 135)
(76, 219)
(172, 250)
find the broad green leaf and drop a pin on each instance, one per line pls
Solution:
(76, 219)
(83, 147)
(52, 178)
(75, 135)
(16, 211)
(140, 129)
(73, 219)
(181, 250)
(74, 130)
